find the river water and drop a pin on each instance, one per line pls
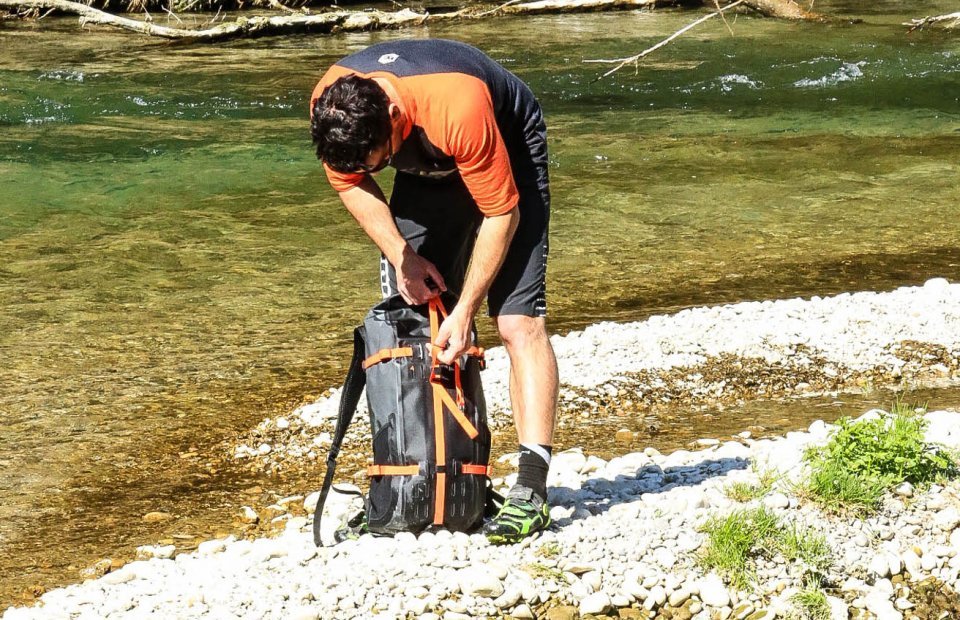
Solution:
(174, 268)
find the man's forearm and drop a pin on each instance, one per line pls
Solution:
(368, 206)
(489, 251)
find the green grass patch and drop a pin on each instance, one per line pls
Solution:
(810, 603)
(549, 549)
(735, 541)
(805, 545)
(747, 491)
(536, 569)
(864, 459)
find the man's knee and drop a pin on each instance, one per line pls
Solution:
(520, 331)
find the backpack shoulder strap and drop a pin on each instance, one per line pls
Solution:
(349, 398)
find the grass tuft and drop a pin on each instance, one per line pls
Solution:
(810, 603)
(549, 549)
(805, 545)
(542, 571)
(746, 491)
(735, 541)
(866, 458)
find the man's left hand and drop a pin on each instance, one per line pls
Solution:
(454, 336)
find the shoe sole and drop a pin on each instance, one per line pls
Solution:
(510, 539)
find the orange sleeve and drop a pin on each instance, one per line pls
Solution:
(465, 127)
(340, 181)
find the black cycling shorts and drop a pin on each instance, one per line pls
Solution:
(439, 219)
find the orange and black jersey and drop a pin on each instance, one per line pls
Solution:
(463, 112)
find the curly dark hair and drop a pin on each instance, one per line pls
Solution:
(349, 119)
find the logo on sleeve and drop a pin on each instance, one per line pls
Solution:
(386, 59)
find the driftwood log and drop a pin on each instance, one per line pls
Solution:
(344, 21)
(951, 21)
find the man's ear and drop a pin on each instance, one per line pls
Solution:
(394, 112)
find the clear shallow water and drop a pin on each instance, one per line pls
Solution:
(173, 266)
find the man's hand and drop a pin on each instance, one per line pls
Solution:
(454, 336)
(413, 271)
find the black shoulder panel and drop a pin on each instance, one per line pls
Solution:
(406, 58)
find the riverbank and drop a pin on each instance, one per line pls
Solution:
(702, 359)
(625, 542)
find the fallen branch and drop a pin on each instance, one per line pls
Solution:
(566, 6)
(334, 21)
(783, 9)
(339, 20)
(949, 21)
(622, 62)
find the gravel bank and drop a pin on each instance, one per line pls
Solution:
(626, 531)
(625, 541)
(701, 357)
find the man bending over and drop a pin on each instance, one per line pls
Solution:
(469, 213)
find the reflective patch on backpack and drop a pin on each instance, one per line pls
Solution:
(386, 59)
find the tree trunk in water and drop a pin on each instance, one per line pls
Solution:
(783, 9)
(345, 21)
(950, 21)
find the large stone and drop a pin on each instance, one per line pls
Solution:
(160, 552)
(665, 558)
(947, 519)
(905, 490)
(596, 604)
(911, 561)
(777, 500)
(508, 599)
(895, 564)
(304, 613)
(249, 515)
(656, 598)
(157, 517)
(563, 612)
(955, 540)
(713, 592)
(572, 460)
(209, 547)
(593, 580)
(679, 596)
(838, 608)
(879, 566)
(880, 605)
(118, 577)
(480, 581)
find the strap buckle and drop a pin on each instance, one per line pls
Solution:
(443, 375)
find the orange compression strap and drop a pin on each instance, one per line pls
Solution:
(464, 422)
(476, 470)
(441, 399)
(387, 354)
(393, 470)
(413, 470)
(440, 491)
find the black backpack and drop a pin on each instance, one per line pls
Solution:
(431, 443)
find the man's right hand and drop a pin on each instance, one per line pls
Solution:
(413, 273)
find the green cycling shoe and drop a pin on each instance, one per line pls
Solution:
(523, 514)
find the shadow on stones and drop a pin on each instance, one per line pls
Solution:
(598, 495)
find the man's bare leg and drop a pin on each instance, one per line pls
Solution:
(533, 395)
(533, 377)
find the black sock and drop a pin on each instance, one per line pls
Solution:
(533, 468)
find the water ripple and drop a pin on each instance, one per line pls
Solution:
(847, 72)
(63, 75)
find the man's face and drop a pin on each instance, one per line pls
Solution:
(379, 158)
